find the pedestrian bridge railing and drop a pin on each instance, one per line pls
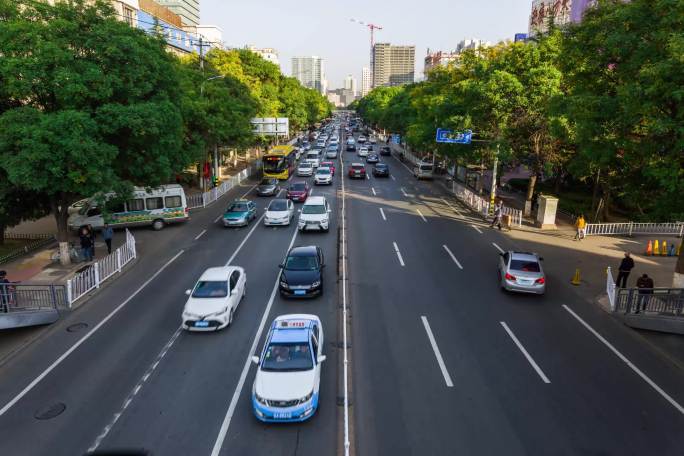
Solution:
(632, 228)
(92, 276)
(207, 198)
(27, 305)
(660, 301)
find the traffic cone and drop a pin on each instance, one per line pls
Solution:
(576, 280)
(649, 248)
(656, 248)
(663, 251)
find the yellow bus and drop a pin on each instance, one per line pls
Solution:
(280, 162)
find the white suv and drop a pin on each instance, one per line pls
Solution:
(315, 214)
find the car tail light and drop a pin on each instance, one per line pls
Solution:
(509, 277)
(540, 281)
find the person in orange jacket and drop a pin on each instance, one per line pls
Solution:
(581, 226)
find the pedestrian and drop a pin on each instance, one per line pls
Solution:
(107, 235)
(581, 226)
(86, 243)
(498, 212)
(91, 233)
(626, 266)
(645, 285)
(4, 292)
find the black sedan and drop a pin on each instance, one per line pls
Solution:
(372, 158)
(269, 186)
(302, 273)
(381, 170)
(351, 148)
(385, 150)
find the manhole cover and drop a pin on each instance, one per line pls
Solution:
(77, 327)
(50, 411)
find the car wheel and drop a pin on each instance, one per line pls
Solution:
(158, 224)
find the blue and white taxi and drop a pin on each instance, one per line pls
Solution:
(289, 372)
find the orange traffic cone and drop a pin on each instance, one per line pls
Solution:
(656, 248)
(663, 250)
(576, 279)
(649, 248)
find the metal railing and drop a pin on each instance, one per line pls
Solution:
(207, 198)
(632, 228)
(30, 298)
(101, 270)
(481, 205)
(610, 288)
(37, 241)
(661, 301)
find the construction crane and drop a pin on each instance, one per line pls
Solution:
(372, 28)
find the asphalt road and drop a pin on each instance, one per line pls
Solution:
(442, 361)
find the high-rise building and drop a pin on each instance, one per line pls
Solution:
(350, 83)
(268, 54)
(393, 65)
(472, 43)
(366, 81)
(309, 71)
(439, 58)
(544, 11)
(188, 10)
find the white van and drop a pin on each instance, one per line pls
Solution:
(422, 170)
(160, 206)
(313, 157)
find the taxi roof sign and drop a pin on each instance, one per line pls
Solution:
(295, 324)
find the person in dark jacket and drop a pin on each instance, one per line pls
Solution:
(107, 235)
(626, 266)
(86, 243)
(645, 285)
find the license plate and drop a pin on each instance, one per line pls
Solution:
(525, 282)
(282, 415)
(300, 292)
(201, 324)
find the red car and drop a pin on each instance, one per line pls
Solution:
(298, 191)
(357, 170)
(328, 164)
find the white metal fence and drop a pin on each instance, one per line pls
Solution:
(209, 197)
(481, 205)
(101, 270)
(610, 289)
(631, 228)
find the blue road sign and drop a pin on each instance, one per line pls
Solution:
(453, 137)
(395, 139)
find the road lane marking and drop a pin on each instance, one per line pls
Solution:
(452, 207)
(136, 390)
(392, 177)
(396, 249)
(200, 235)
(544, 378)
(367, 176)
(421, 215)
(403, 192)
(452, 256)
(373, 190)
(258, 223)
(477, 229)
(344, 320)
(624, 359)
(218, 218)
(438, 355)
(64, 356)
(497, 247)
(383, 214)
(245, 370)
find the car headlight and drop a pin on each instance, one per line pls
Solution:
(317, 283)
(260, 399)
(284, 284)
(306, 398)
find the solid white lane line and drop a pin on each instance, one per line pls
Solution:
(421, 215)
(200, 235)
(373, 190)
(383, 214)
(392, 177)
(452, 256)
(245, 370)
(249, 191)
(135, 391)
(344, 319)
(544, 378)
(477, 229)
(257, 224)
(403, 192)
(497, 247)
(452, 207)
(64, 356)
(396, 249)
(624, 359)
(218, 218)
(438, 355)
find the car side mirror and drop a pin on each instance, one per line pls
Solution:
(187, 292)
(329, 211)
(255, 359)
(322, 358)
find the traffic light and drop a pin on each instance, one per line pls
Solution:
(214, 181)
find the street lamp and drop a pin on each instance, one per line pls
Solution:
(209, 79)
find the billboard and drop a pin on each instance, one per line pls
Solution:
(271, 126)
(520, 37)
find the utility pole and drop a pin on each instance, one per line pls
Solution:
(492, 192)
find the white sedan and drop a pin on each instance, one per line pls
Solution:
(212, 302)
(279, 212)
(363, 151)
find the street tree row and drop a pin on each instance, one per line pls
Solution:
(89, 104)
(600, 103)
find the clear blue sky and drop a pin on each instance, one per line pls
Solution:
(307, 27)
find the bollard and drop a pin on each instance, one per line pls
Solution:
(576, 279)
(649, 248)
(663, 251)
(656, 248)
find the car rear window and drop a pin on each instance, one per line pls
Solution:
(298, 187)
(525, 266)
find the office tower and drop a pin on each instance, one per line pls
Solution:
(350, 83)
(366, 81)
(188, 10)
(309, 72)
(393, 65)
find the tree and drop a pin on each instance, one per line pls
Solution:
(94, 104)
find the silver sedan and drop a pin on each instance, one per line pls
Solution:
(522, 272)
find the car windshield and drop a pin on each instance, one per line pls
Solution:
(300, 187)
(294, 356)
(305, 165)
(278, 205)
(237, 207)
(274, 164)
(323, 171)
(525, 265)
(380, 166)
(357, 167)
(267, 182)
(313, 209)
(301, 263)
(210, 289)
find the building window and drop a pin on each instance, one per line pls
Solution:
(129, 16)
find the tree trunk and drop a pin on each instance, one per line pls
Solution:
(2, 234)
(61, 212)
(678, 280)
(530, 193)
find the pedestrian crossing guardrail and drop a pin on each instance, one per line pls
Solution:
(209, 197)
(632, 228)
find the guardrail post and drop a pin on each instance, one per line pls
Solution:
(631, 225)
(68, 291)
(118, 260)
(681, 229)
(96, 270)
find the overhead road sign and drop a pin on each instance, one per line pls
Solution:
(453, 137)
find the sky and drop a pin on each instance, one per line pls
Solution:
(307, 27)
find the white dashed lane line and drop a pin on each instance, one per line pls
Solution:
(396, 249)
(497, 247)
(383, 214)
(421, 215)
(453, 257)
